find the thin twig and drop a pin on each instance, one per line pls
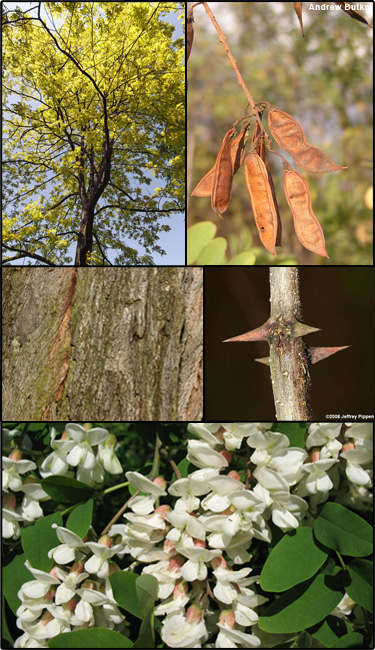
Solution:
(118, 514)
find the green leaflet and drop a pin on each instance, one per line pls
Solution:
(296, 558)
(95, 637)
(359, 584)
(38, 539)
(340, 529)
(302, 606)
(66, 490)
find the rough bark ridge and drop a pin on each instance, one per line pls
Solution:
(102, 344)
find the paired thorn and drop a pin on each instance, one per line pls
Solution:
(300, 329)
(317, 354)
(259, 334)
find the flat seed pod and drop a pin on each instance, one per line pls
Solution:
(223, 176)
(261, 200)
(260, 149)
(306, 225)
(204, 187)
(291, 137)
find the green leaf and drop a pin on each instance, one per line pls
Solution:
(66, 490)
(79, 521)
(248, 258)
(5, 634)
(125, 591)
(147, 591)
(360, 586)
(302, 606)
(353, 640)
(38, 539)
(295, 431)
(146, 637)
(295, 559)
(331, 629)
(343, 530)
(197, 237)
(15, 575)
(95, 637)
(304, 640)
(213, 253)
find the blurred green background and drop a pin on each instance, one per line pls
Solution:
(325, 82)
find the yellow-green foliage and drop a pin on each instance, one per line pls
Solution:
(54, 121)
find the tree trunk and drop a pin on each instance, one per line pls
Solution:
(102, 344)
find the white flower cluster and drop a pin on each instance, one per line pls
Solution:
(199, 548)
(72, 597)
(90, 451)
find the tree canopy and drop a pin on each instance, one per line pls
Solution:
(93, 107)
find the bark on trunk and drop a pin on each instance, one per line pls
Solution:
(102, 344)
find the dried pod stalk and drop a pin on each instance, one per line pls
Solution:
(291, 137)
(204, 187)
(306, 225)
(261, 200)
(223, 176)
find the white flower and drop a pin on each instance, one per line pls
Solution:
(195, 568)
(234, 433)
(11, 473)
(184, 632)
(71, 548)
(228, 638)
(324, 435)
(317, 479)
(98, 562)
(202, 455)
(221, 486)
(107, 456)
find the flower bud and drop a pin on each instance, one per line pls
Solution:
(227, 618)
(77, 567)
(234, 474)
(217, 562)
(160, 482)
(347, 446)
(168, 545)
(70, 605)
(226, 454)
(46, 618)
(180, 590)
(194, 614)
(52, 571)
(29, 480)
(15, 454)
(9, 501)
(200, 543)
(219, 434)
(105, 540)
(113, 567)
(87, 426)
(88, 584)
(163, 510)
(315, 454)
(176, 563)
(50, 595)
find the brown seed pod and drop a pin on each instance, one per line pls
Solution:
(261, 151)
(189, 35)
(223, 176)
(306, 225)
(204, 187)
(291, 137)
(261, 200)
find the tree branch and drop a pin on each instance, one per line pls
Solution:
(27, 254)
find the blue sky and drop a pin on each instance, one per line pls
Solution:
(172, 242)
